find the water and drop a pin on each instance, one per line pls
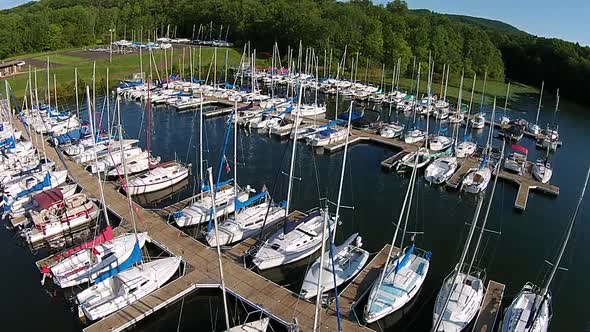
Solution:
(513, 258)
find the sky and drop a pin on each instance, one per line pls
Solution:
(565, 19)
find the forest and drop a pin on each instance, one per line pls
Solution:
(380, 33)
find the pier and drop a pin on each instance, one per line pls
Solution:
(201, 268)
(490, 308)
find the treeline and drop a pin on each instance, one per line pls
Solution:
(379, 33)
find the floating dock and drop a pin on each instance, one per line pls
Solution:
(490, 308)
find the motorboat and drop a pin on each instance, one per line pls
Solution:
(391, 130)
(516, 162)
(478, 121)
(414, 136)
(161, 177)
(409, 160)
(465, 149)
(542, 171)
(327, 136)
(440, 143)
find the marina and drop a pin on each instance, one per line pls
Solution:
(311, 204)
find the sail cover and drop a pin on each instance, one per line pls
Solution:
(135, 257)
(49, 198)
(520, 148)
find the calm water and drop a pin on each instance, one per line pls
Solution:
(513, 258)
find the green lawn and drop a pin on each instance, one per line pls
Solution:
(124, 66)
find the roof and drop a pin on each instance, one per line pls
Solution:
(12, 63)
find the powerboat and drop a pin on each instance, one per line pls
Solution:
(441, 169)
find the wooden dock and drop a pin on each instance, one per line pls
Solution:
(490, 309)
(361, 285)
(201, 268)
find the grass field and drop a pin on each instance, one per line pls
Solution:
(62, 65)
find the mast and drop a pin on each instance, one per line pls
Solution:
(91, 122)
(149, 119)
(76, 91)
(235, 155)
(540, 101)
(342, 173)
(470, 104)
(459, 103)
(506, 102)
(201, 179)
(212, 191)
(491, 132)
(48, 89)
(318, 298)
(556, 263)
(429, 103)
(290, 186)
(483, 93)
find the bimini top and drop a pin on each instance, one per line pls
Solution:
(49, 198)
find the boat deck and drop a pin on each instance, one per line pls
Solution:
(488, 314)
(201, 267)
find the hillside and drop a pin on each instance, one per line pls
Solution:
(380, 34)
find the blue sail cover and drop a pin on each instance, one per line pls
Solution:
(72, 135)
(135, 257)
(240, 205)
(355, 116)
(7, 143)
(405, 259)
(290, 225)
(43, 184)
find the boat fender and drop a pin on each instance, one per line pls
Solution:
(359, 241)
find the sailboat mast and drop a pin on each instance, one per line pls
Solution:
(318, 298)
(459, 104)
(235, 154)
(483, 93)
(297, 115)
(470, 104)
(506, 101)
(212, 190)
(342, 172)
(76, 91)
(201, 179)
(429, 102)
(92, 131)
(540, 101)
(397, 226)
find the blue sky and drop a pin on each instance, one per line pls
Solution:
(565, 19)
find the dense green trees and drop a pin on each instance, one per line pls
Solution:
(383, 33)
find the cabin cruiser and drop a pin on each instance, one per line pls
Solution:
(478, 121)
(161, 177)
(414, 136)
(391, 130)
(441, 169)
(542, 171)
(465, 149)
(326, 137)
(440, 143)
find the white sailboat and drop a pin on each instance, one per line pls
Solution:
(342, 262)
(85, 265)
(531, 310)
(461, 295)
(126, 288)
(297, 239)
(404, 274)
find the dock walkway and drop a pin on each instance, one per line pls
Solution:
(202, 268)
(488, 314)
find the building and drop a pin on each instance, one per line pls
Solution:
(10, 68)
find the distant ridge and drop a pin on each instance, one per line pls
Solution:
(478, 21)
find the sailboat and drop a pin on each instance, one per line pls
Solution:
(343, 262)
(226, 193)
(535, 128)
(403, 275)
(477, 180)
(461, 295)
(531, 310)
(251, 214)
(117, 287)
(297, 239)
(256, 326)
(467, 147)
